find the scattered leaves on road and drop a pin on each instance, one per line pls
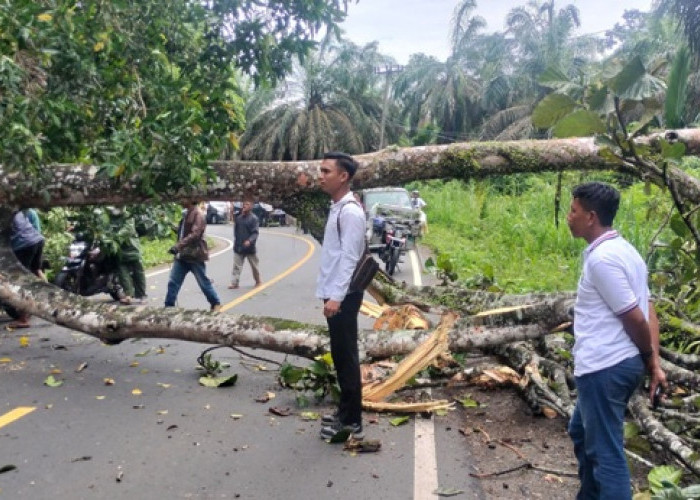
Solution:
(24, 341)
(281, 412)
(265, 397)
(399, 421)
(136, 392)
(108, 381)
(447, 492)
(360, 446)
(51, 381)
(81, 367)
(309, 415)
(225, 381)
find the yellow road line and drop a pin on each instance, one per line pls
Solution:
(15, 414)
(309, 252)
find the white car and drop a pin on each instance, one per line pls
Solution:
(218, 212)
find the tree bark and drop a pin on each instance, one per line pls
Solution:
(282, 183)
(658, 433)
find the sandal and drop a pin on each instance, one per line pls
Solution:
(16, 325)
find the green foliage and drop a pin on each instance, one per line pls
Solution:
(677, 94)
(318, 378)
(596, 114)
(508, 239)
(146, 90)
(674, 492)
(213, 369)
(663, 474)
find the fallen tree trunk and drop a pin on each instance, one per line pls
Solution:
(282, 183)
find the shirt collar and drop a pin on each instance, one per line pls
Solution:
(607, 235)
(348, 197)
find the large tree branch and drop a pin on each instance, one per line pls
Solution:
(281, 183)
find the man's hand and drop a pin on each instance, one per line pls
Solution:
(173, 250)
(246, 243)
(657, 377)
(331, 308)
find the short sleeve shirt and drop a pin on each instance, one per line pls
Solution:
(613, 281)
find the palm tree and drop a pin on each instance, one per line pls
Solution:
(331, 102)
(444, 96)
(687, 12)
(539, 37)
(439, 93)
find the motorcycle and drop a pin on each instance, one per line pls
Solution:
(395, 236)
(88, 271)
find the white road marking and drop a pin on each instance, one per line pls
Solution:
(425, 472)
(416, 267)
(425, 476)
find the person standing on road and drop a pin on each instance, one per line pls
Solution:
(132, 276)
(191, 233)
(418, 203)
(28, 245)
(245, 232)
(343, 245)
(616, 335)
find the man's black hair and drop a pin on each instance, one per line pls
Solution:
(603, 199)
(343, 160)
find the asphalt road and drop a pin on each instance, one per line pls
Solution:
(156, 433)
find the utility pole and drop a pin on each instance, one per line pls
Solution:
(387, 70)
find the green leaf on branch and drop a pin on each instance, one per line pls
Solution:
(674, 151)
(634, 83)
(551, 109)
(580, 123)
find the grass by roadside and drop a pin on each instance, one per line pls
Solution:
(155, 252)
(504, 229)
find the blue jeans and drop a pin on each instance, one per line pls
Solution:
(596, 428)
(177, 276)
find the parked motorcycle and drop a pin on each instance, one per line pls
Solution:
(88, 271)
(395, 235)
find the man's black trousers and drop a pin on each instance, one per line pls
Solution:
(343, 330)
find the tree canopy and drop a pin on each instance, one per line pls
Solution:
(147, 90)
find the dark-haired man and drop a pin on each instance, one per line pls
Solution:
(245, 235)
(343, 245)
(616, 335)
(190, 232)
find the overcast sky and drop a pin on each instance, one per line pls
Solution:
(405, 27)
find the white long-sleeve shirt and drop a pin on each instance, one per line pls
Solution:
(341, 252)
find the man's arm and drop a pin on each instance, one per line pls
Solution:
(645, 335)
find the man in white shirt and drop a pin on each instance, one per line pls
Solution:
(616, 335)
(343, 245)
(418, 203)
